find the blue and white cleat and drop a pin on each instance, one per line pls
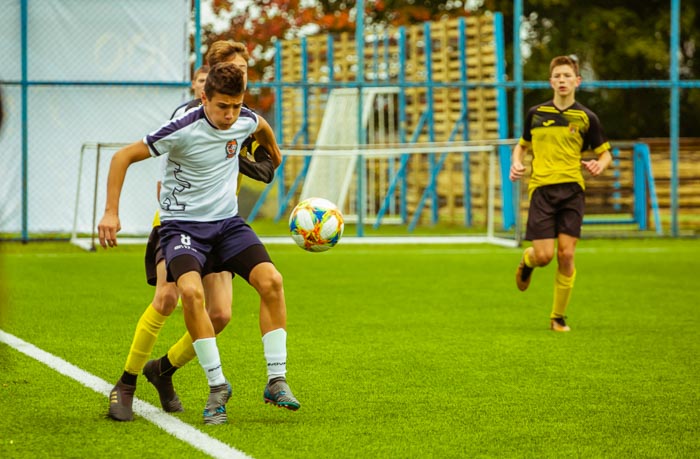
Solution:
(215, 410)
(279, 394)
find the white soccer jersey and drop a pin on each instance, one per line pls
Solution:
(201, 174)
(185, 107)
(179, 111)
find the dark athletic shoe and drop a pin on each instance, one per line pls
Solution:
(164, 385)
(558, 324)
(279, 394)
(120, 400)
(523, 275)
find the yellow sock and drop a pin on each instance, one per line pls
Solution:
(147, 330)
(182, 352)
(562, 293)
(526, 257)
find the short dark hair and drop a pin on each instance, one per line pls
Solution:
(225, 78)
(564, 60)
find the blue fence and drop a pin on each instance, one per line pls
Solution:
(122, 78)
(502, 85)
(27, 83)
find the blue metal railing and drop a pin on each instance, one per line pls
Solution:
(643, 191)
(427, 121)
(25, 83)
(647, 192)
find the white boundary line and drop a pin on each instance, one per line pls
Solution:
(168, 423)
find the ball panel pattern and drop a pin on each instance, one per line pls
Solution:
(316, 224)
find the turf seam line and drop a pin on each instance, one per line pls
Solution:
(165, 421)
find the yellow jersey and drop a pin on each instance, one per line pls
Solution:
(558, 139)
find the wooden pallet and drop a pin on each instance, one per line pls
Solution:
(447, 102)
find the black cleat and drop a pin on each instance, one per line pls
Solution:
(120, 400)
(164, 385)
(523, 275)
(558, 324)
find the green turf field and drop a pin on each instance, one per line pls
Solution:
(394, 351)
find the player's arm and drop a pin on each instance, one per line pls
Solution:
(597, 166)
(601, 147)
(517, 169)
(262, 168)
(110, 225)
(266, 138)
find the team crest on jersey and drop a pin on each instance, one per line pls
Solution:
(231, 148)
(573, 129)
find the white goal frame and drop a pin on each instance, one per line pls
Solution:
(369, 152)
(92, 185)
(139, 190)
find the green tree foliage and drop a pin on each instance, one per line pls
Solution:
(613, 40)
(260, 23)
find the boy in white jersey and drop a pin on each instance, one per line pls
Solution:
(199, 214)
(217, 290)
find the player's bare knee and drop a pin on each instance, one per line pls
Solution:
(165, 299)
(266, 279)
(543, 257)
(565, 256)
(191, 294)
(270, 284)
(273, 282)
(219, 320)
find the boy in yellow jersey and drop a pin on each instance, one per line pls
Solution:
(557, 132)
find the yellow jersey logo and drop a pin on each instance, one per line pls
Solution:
(547, 123)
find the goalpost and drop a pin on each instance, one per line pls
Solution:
(386, 198)
(138, 202)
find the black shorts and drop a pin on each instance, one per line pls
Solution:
(555, 209)
(154, 255)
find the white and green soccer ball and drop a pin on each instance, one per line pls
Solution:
(316, 224)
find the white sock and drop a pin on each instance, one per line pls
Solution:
(275, 348)
(208, 355)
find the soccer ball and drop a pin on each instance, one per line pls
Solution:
(316, 224)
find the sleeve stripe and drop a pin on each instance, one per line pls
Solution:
(151, 146)
(173, 126)
(603, 148)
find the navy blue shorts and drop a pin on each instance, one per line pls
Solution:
(218, 241)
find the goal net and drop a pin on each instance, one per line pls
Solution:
(330, 175)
